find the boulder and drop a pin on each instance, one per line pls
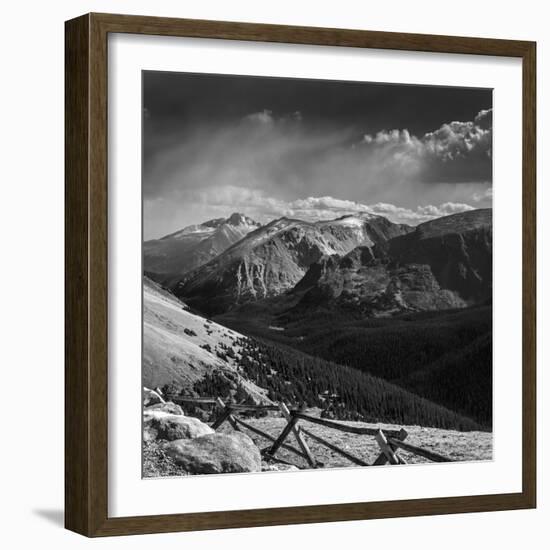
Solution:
(216, 454)
(151, 397)
(174, 426)
(149, 433)
(152, 414)
(168, 407)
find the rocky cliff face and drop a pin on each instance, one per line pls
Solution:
(442, 264)
(194, 245)
(458, 249)
(376, 286)
(274, 258)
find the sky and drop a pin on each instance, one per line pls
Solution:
(310, 149)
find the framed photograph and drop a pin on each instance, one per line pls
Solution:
(300, 275)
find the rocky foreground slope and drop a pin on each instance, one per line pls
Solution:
(176, 444)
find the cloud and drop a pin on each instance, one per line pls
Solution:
(265, 163)
(262, 117)
(485, 195)
(329, 207)
(484, 119)
(445, 209)
(458, 140)
(264, 208)
(451, 141)
(455, 151)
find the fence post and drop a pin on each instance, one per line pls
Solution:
(269, 438)
(298, 435)
(382, 458)
(229, 417)
(385, 447)
(223, 416)
(284, 434)
(400, 458)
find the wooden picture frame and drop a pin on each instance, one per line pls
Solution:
(86, 426)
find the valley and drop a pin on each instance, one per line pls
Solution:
(361, 318)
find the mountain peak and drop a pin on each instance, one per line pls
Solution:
(236, 219)
(195, 245)
(240, 219)
(356, 219)
(215, 223)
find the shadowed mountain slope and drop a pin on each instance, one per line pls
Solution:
(442, 264)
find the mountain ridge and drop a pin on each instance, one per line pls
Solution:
(194, 245)
(273, 259)
(442, 264)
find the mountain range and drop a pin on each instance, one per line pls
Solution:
(188, 248)
(274, 258)
(363, 261)
(240, 301)
(443, 264)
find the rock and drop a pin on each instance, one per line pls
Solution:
(174, 426)
(149, 433)
(151, 397)
(168, 407)
(149, 414)
(202, 414)
(216, 454)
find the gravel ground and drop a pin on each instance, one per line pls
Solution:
(459, 446)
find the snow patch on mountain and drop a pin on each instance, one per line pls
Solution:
(195, 245)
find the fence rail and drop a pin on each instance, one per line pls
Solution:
(430, 455)
(390, 442)
(359, 430)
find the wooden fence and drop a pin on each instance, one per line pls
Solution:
(390, 442)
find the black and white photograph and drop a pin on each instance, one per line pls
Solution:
(317, 274)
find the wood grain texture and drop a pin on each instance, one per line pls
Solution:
(77, 389)
(86, 491)
(529, 274)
